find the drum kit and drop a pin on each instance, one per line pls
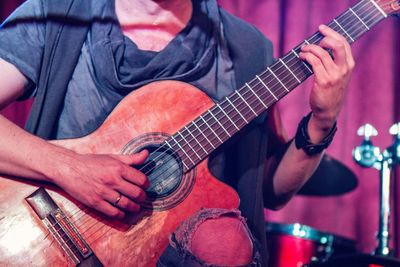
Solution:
(297, 245)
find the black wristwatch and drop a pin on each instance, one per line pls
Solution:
(302, 139)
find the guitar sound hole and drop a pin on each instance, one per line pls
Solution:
(169, 185)
(163, 169)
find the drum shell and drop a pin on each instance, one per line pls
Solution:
(294, 245)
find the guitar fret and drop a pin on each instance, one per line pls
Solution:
(297, 55)
(246, 103)
(212, 130)
(355, 14)
(183, 138)
(262, 82)
(194, 138)
(284, 64)
(226, 115)
(340, 26)
(254, 93)
(237, 110)
(379, 8)
(183, 162)
(276, 77)
(219, 123)
(194, 123)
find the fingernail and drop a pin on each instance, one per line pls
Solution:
(322, 27)
(143, 151)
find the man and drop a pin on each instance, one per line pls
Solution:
(133, 42)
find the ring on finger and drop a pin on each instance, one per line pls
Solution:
(117, 200)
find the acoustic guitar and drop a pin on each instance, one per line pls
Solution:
(42, 226)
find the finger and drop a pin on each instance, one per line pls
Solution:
(322, 55)
(316, 64)
(328, 32)
(109, 195)
(337, 48)
(133, 159)
(136, 177)
(127, 204)
(110, 210)
(119, 201)
(131, 191)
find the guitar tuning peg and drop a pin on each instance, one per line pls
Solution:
(367, 130)
(395, 129)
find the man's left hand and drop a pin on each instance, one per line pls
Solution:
(332, 75)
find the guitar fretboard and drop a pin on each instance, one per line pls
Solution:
(198, 139)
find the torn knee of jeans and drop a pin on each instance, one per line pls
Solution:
(182, 239)
(184, 233)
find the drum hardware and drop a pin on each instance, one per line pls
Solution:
(298, 245)
(331, 178)
(369, 156)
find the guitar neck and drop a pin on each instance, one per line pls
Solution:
(202, 136)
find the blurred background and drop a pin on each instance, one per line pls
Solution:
(373, 97)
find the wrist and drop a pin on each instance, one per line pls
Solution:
(318, 128)
(58, 164)
(321, 138)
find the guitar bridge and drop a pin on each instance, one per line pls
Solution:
(62, 229)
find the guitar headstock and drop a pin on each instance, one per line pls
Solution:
(390, 7)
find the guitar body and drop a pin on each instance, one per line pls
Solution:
(161, 107)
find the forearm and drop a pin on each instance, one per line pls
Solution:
(295, 166)
(27, 156)
(332, 74)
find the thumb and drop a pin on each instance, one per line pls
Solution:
(133, 159)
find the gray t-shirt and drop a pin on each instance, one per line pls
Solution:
(101, 79)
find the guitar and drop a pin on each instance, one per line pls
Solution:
(46, 227)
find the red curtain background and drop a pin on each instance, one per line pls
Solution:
(373, 97)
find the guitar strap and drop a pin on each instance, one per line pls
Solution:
(250, 53)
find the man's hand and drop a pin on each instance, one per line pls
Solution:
(107, 183)
(332, 76)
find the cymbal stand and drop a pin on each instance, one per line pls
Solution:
(367, 155)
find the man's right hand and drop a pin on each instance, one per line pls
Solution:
(107, 183)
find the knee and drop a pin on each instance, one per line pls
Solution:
(222, 241)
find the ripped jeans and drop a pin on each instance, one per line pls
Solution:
(179, 252)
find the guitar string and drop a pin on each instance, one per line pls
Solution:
(271, 77)
(183, 135)
(184, 132)
(278, 75)
(98, 236)
(185, 145)
(220, 129)
(187, 135)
